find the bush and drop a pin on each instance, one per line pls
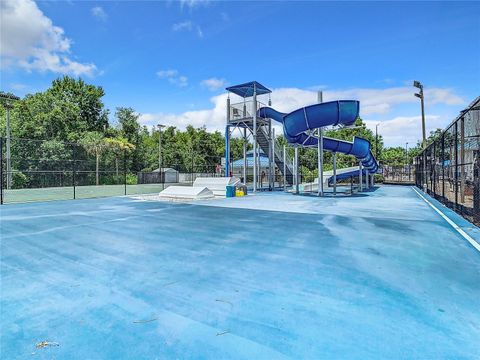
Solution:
(131, 179)
(378, 178)
(19, 180)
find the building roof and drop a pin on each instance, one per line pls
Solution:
(246, 90)
(263, 161)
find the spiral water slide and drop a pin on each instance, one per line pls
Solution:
(298, 126)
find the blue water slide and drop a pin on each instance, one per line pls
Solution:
(298, 124)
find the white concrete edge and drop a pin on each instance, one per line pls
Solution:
(450, 222)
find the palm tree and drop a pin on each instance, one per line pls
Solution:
(119, 146)
(95, 144)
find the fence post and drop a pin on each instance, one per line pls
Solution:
(443, 167)
(125, 171)
(1, 170)
(476, 189)
(434, 168)
(74, 171)
(456, 167)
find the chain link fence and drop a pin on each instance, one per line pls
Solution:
(449, 168)
(41, 170)
(398, 175)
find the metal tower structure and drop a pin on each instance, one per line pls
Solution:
(243, 116)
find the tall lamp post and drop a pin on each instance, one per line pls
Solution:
(419, 86)
(160, 127)
(376, 141)
(406, 153)
(7, 99)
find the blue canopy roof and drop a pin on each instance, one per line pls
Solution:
(246, 90)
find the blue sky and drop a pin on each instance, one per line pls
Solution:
(171, 60)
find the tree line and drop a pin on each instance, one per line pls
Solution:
(71, 111)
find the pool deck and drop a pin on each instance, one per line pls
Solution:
(379, 275)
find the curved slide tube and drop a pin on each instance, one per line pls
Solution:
(298, 124)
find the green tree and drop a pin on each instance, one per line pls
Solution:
(95, 144)
(65, 111)
(119, 146)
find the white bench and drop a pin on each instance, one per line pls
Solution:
(218, 185)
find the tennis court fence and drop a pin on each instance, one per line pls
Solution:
(449, 168)
(39, 170)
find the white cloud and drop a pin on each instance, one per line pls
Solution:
(188, 26)
(402, 129)
(173, 77)
(99, 13)
(213, 84)
(191, 4)
(165, 74)
(31, 41)
(199, 32)
(396, 131)
(183, 26)
(18, 86)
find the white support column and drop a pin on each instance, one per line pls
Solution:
(334, 173)
(297, 188)
(360, 176)
(320, 161)
(273, 157)
(367, 175)
(270, 156)
(254, 114)
(245, 165)
(320, 152)
(284, 168)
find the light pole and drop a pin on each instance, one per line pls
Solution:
(8, 98)
(376, 140)
(406, 153)
(419, 86)
(160, 127)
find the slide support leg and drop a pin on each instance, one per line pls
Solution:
(360, 175)
(334, 173)
(297, 189)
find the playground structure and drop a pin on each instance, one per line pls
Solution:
(243, 116)
(302, 128)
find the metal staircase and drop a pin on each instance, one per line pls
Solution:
(263, 142)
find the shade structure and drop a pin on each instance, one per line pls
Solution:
(247, 89)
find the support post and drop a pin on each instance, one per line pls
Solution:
(1, 170)
(227, 151)
(320, 152)
(245, 156)
(334, 173)
(8, 154)
(270, 156)
(273, 159)
(74, 172)
(227, 140)
(462, 160)
(297, 188)
(284, 168)
(125, 170)
(254, 114)
(360, 176)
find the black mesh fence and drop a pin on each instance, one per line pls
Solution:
(403, 175)
(448, 169)
(40, 170)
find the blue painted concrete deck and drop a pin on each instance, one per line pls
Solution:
(270, 276)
